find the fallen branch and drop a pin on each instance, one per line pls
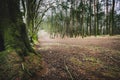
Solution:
(67, 69)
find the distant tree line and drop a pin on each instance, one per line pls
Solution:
(83, 18)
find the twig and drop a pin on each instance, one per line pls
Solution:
(68, 71)
(25, 70)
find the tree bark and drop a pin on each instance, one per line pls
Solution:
(107, 29)
(112, 17)
(90, 16)
(95, 18)
(13, 32)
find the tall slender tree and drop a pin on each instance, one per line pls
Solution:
(107, 27)
(95, 17)
(112, 17)
(90, 15)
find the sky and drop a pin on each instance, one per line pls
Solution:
(117, 6)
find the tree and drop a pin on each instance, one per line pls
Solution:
(34, 12)
(30, 11)
(15, 49)
(13, 32)
(95, 18)
(90, 12)
(85, 17)
(112, 17)
(107, 26)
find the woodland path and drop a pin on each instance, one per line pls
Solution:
(90, 58)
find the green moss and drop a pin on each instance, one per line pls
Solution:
(93, 60)
(10, 36)
(3, 56)
(15, 39)
(75, 61)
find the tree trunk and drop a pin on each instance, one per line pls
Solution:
(95, 18)
(97, 23)
(13, 34)
(90, 16)
(1, 41)
(112, 18)
(107, 29)
(82, 20)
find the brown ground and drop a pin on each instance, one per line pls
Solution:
(90, 58)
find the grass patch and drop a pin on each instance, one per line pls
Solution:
(75, 61)
(92, 59)
(13, 67)
(88, 63)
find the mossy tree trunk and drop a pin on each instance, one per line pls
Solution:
(13, 33)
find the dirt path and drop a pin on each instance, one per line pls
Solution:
(81, 59)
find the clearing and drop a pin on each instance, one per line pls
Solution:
(90, 58)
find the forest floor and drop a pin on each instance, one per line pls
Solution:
(90, 58)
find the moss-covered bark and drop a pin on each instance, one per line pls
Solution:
(1, 42)
(12, 29)
(14, 44)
